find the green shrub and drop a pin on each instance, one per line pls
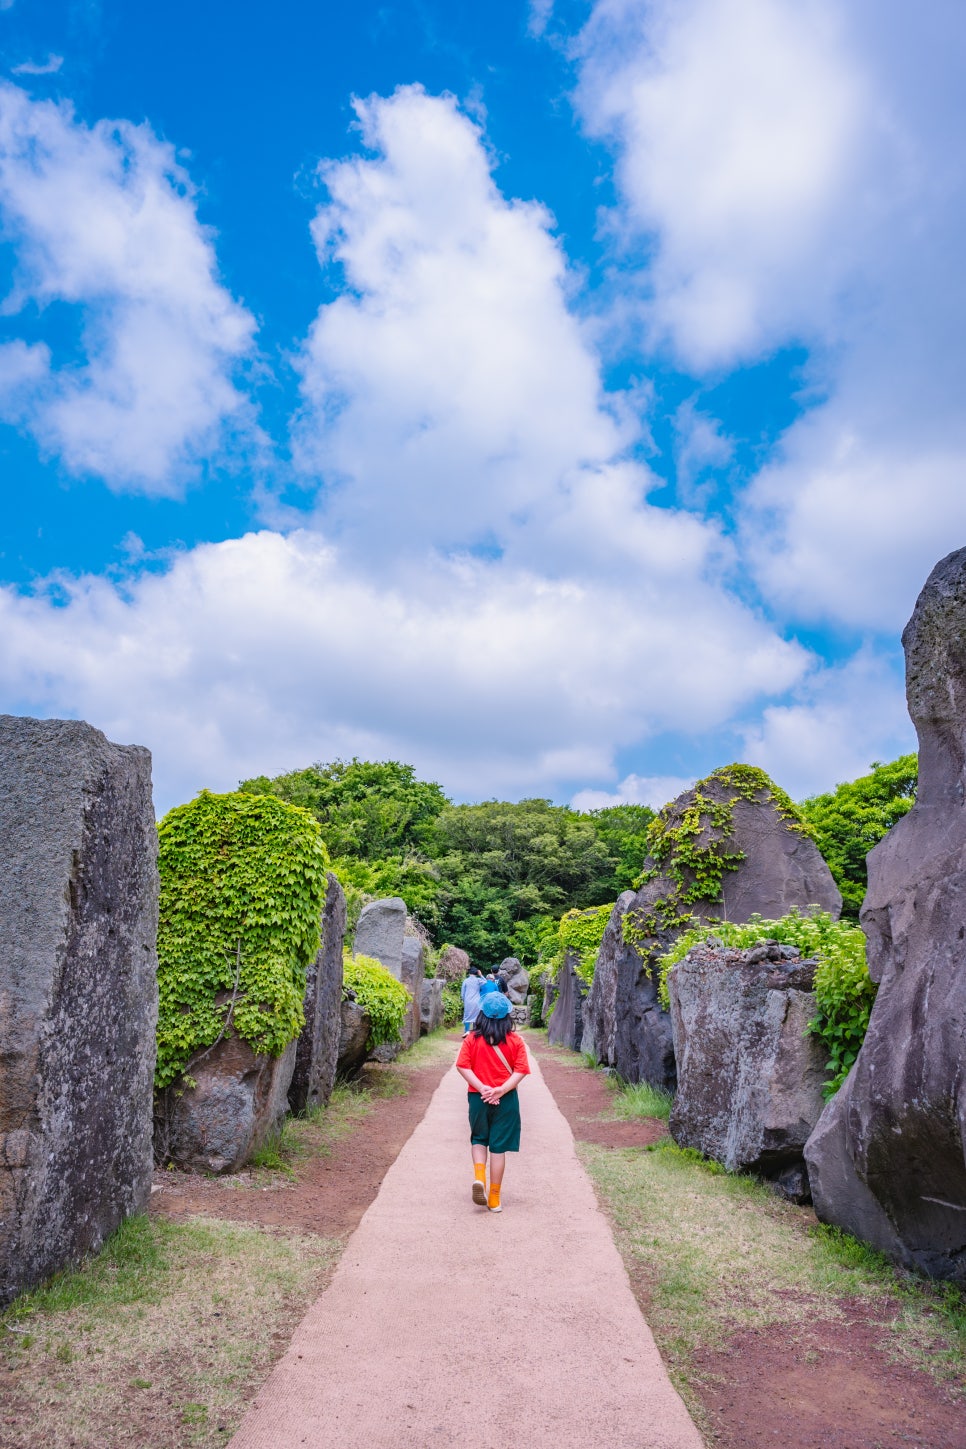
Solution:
(844, 991)
(452, 1004)
(581, 932)
(242, 891)
(380, 995)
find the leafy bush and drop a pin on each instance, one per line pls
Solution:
(242, 891)
(380, 995)
(844, 991)
(581, 932)
(452, 1004)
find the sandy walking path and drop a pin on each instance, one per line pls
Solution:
(447, 1325)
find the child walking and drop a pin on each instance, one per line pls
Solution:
(492, 1060)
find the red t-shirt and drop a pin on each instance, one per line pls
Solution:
(483, 1061)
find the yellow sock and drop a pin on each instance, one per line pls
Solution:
(494, 1198)
(479, 1171)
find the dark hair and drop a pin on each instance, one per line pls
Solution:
(501, 982)
(493, 1029)
(473, 971)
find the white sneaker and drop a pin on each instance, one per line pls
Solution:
(479, 1193)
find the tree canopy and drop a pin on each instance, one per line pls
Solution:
(849, 820)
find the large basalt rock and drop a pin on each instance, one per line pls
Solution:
(317, 1049)
(78, 992)
(412, 974)
(600, 1007)
(240, 1097)
(431, 1004)
(777, 868)
(565, 1024)
(381, 931)
(749, 1076)
(453, 963)
(355, 1026)
(888, 1157)
(517, 980)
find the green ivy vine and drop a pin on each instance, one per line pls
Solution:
(581, 932)
(844, 991)
(242, 891)
(384, 999)
(694, 849)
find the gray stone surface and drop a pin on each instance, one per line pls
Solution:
(431, 1004)
(781, 868)
(749, 1078)
(565, 1025)
(78, 992)
(353, 1039)
(381, 931)
(887, 1159)
(412, 974)
(317, 1050)
(600, 1007)
(453, 963)
(240, 1097)
(517, 980)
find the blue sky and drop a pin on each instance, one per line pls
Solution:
(565, 398)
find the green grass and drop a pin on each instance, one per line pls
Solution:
(713, 1252)
(159, 1339)
(640, 1099)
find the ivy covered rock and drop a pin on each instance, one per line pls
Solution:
(243, 885)
(78, 992)
(317, 1051)
(888, 1157)
(750, 1073)
(578, 941)
(624, 1025)
(731, 847)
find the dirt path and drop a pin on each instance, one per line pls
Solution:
(448, 1325)
(328, 1194)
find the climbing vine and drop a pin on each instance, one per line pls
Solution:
(694, 847)
(844, 991)
(581, 932)
(384, 999)
(242, 891)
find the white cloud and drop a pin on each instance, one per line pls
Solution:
(793, 169)
(653, 790)
(50, 66)
(449, 390)
(102, 218)
(267, 652)
(842, 720)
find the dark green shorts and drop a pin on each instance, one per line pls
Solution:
(497, 1128)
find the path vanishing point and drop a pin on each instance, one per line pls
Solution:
(446, 1325)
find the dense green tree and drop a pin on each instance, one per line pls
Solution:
(623, 829)
(501, 863)
(853, 817)
(367, 810)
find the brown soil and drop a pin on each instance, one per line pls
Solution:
(329, 1194)
(587, 1102)
(825, 1386)
(831, 1384)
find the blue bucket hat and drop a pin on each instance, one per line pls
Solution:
(495, 1005)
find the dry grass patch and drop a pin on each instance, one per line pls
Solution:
(714, 1253)
(160, 1340)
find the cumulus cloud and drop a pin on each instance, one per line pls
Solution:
(789, 171)
(842, 719)
(267, 652)
(448, 390)
(102, 218)
(653, 790)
